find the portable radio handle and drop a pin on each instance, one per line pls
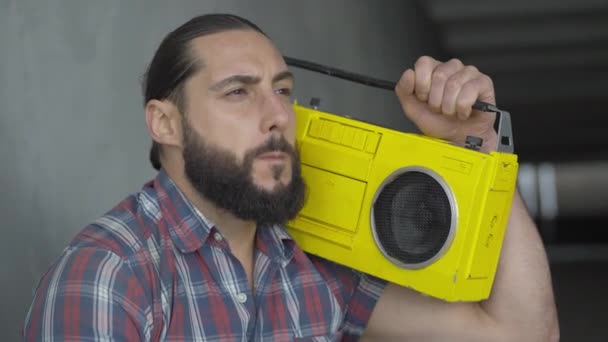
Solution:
(502, 125)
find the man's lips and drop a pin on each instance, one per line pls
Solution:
(273, 156)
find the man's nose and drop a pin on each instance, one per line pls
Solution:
(276, 111)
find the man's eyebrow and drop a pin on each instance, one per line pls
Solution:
(283, 75)
(248, 79)
(243, 79)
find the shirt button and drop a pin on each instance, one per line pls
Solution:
(218, 237)
(241, 298)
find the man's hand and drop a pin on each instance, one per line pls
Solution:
(437, 97)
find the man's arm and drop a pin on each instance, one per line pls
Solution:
(89, 294)
(438, 98)
(521, 307)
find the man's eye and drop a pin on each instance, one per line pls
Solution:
(284, 91)
(237, 92)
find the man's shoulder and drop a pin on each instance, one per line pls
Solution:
(329, 267)
(343, 279)
(126, 229)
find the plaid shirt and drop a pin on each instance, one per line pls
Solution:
(154, 268)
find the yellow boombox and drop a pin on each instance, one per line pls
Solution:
(413, 210)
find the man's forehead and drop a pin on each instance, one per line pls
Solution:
(234, 43)
(237, 52)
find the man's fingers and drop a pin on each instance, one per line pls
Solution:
(453, 87)
(478, 88)
(406, 84)
(424, 68)
(441, 75)
(449, 88)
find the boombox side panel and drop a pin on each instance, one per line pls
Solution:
(493, 222)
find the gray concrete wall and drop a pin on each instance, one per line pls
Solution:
(72, 135)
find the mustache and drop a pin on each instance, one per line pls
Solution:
(274, 144)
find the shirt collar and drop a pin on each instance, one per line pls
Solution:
(189, 228)
(276, 243)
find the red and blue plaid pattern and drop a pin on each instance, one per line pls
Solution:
(154, 268)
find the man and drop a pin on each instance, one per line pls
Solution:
(201, 254)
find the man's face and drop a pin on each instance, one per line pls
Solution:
(239, 129)
(216, 174)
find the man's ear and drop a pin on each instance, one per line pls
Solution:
(163, 120)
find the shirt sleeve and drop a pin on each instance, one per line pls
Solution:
(361, 305)
(356, 292)
(89, 294)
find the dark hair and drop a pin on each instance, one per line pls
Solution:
(174, 63)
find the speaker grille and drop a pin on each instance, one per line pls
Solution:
(412, 218)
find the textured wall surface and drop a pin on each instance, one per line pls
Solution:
(72, 135)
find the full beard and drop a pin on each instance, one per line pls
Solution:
(217, 176)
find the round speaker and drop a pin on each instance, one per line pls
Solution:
(414, 217)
